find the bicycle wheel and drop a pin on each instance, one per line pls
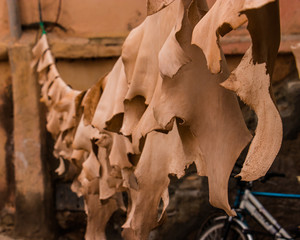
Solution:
(215, 232)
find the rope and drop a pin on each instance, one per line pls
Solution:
(41, 19)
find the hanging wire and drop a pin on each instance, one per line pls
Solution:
(43, 24)
(57, 16)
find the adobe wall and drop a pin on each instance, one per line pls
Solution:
(101, 18)
(89, 19)
(81, 74)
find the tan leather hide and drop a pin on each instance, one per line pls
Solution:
(64, 119)
(171, 95)
(168, 78)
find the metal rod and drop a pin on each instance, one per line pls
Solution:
(14, 19)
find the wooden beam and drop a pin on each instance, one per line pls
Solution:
(240, 44)
(76, 47)
(72, 47)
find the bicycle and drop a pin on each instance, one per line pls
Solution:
(246, 204)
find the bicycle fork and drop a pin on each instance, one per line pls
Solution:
(227, 227)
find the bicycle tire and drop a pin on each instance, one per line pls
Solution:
(214, 232)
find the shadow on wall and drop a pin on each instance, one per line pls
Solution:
(6, 138)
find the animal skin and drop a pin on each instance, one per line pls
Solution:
(73, 138)
(168, 102)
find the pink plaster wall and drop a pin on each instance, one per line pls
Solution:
(90, 18)
(115, 18)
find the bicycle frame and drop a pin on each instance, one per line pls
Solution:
(247, 204)
(250, 203)
(228, 221)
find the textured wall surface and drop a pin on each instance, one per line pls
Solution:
(90, 19)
